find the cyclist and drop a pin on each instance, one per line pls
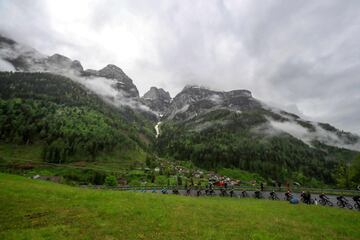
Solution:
(198, 192)
(211, 189)
(343, 202)
(257, 194)
(306, 196)
(175, 191)
(302, 194)
(288, 195)
(357, 202)
(231, 191)
(223, 192)
(323, 197)
(244, 193)
(273, 195)
(188, 190)
(206, 190)
(324, 200)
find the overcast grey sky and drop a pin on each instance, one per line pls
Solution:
(303, 56)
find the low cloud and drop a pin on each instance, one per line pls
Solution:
(6, 66)
(103, 87)
(296, 130)
(300, 55)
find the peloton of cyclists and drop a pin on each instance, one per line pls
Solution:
(228, 190)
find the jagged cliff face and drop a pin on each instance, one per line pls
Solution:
(122, 83)
(194, 107)
(195, 100)
(59, 63)
(23, 58)
(157, 99)
(17, 57)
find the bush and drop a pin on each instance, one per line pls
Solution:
(179, 180)
(110, 181)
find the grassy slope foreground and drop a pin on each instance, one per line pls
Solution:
(33, 209)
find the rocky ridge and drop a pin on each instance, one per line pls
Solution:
(157, 99)
(193, 104)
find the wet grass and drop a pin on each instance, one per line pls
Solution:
(34, 209)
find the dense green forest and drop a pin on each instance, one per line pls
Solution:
(68, 123)
(233, 145)
(67, 119)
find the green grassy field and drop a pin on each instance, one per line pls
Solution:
(35, 209)
(27, 160)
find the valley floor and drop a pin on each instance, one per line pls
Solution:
(35, 209)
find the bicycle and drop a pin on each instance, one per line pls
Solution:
(288, 196)
(244, 194)
(223, 193)
(258, 195)
(273, 196)
(343, 202)
(357, 202)
(324, 200)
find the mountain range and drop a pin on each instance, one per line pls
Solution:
(211, 128)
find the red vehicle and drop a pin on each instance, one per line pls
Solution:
(219, 184)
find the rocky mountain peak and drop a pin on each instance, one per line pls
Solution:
(5, 40)
(59, 59)
(62, 63)
(157, 99)
(77, 66)
(157, 93)
(240, 93)
(122, 83)
(195, 100)
(113, 71)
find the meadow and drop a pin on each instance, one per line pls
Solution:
(36, 209)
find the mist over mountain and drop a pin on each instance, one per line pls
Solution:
(139, 119)
(211, 128)
(109, 82)
(191, 104)
(284, 52)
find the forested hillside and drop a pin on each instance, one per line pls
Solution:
(224, 138)
(69, 121)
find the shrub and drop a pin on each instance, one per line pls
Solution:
(110, 181)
